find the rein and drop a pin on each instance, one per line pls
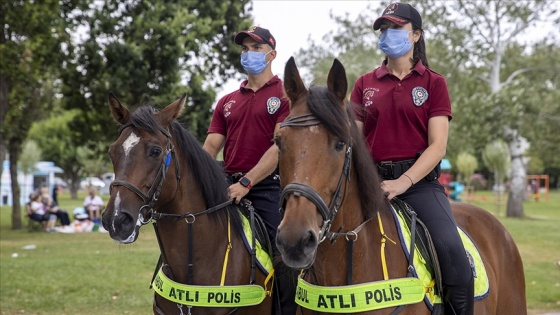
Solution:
(190, 218)
(151, 197)
(328, 213)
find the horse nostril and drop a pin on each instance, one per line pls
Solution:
(310, 241)
(125, 219)
(279, 242)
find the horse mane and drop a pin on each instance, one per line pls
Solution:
(324, 105)
(207, 171)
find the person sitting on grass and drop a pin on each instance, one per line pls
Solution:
(53, 208)
(93, 205)
(39, 213)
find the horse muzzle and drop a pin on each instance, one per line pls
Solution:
(121, 225)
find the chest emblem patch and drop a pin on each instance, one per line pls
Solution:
(227, 108)
(273, 104)
(419, 95)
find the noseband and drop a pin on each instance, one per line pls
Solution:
(298, 189)
(155, 189)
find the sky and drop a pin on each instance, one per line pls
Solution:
(291, 23)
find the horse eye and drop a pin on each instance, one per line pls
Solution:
(340, 145)
(277, 141)
(155, 152)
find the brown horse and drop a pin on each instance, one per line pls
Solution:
(163, 174)
(331, 192)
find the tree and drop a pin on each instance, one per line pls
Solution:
(496, 157)
(31, 50)
(466, 165)
(31, 154)
(492, 28)
(148, 53)
(54, 137)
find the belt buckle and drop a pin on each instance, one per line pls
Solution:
(387, 167)
(237, 175)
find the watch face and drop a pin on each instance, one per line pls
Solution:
(245, 181)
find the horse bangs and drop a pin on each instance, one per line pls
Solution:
(325, 106)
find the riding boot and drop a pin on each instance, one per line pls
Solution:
(460, 299)
(286, 282)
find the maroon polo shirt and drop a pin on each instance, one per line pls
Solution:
(395, 112)
(247, 120)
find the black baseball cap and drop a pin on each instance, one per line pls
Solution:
(400, 14)
(259, 34)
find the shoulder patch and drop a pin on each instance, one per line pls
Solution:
(273, 104)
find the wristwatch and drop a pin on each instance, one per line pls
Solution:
(245, 182)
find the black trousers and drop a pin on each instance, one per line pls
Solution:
(429, 201)
(265, 198)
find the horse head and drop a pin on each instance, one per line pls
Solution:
(142, 158)
(315, 145)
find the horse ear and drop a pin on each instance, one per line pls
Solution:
(120, 113)
(173, 110)
(293, 85)
(336, 81)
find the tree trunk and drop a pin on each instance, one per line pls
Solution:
(16, 207)
(517, 147)
(3, 112)
(74, 185)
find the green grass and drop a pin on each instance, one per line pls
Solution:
(74, 273)
(89, 273)
(538, 238)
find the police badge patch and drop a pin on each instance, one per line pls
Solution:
(273, 104)
(419, 95)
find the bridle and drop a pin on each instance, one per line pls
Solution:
(155, 189)
(151, 197)
(298, 189)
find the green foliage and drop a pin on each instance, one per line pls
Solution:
(31, 154)
(31, 48)
(54, 136)
(151, 53)
(466, 165)
(536, 165)
(496, 157)
(33, 44)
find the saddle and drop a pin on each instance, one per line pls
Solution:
(422, 241)
(255, 229)
(425, 265)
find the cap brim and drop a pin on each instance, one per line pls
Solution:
(238, 39)
(397, 20)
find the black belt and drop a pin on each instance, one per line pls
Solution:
(393, 170)
(235, 177)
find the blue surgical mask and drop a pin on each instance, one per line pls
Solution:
(394, 43)
(254, 62)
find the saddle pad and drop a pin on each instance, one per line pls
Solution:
(481, 283)
(263, 258)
